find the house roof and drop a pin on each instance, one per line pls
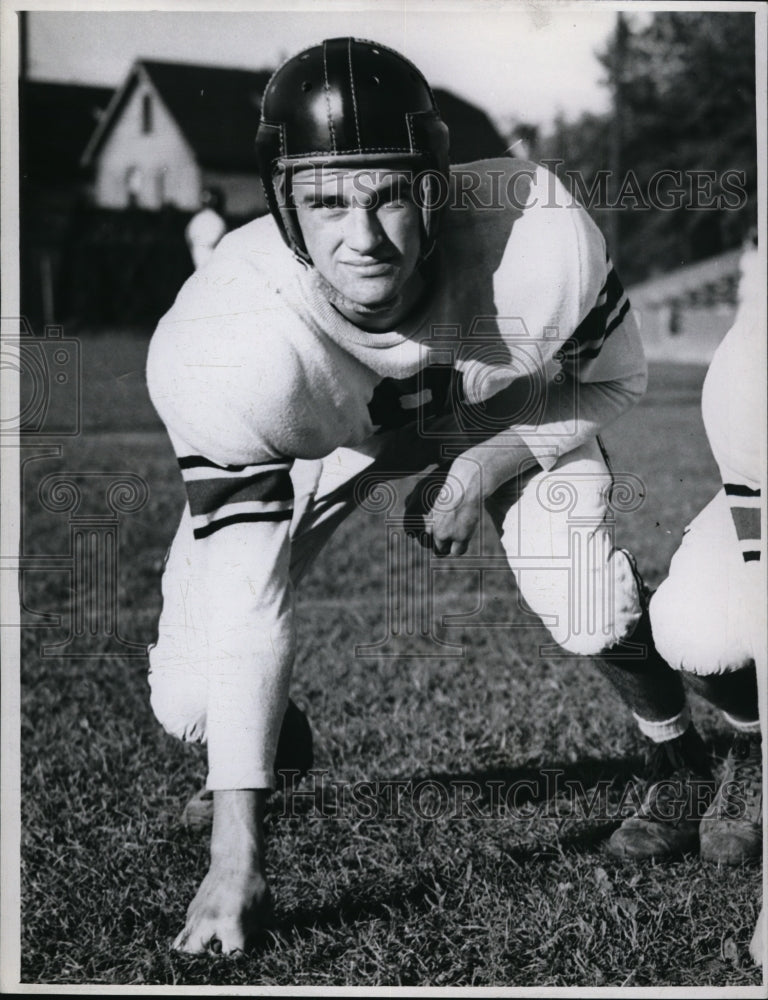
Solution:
(218, 108)
(56, 121)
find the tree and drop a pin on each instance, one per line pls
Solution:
(686, 95)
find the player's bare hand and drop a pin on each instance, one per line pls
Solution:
(233, 902)
(443, 511)
(228, 911)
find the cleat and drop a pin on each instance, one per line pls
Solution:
(294, 759)
(731, 829)
(679, 789)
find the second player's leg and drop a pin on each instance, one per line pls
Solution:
(557, 532)
(705, 618)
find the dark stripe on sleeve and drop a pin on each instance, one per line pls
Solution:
(198, 462)
(224, 522)
(592, 328)
(747, 521)
(739, 490)
(618, 319)
(751, 556)
(614, 290)
(207, 495)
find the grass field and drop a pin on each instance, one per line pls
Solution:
(429, 892)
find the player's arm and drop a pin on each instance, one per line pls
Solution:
(241, 632)
(585, 368)
(246, 634)
(240, 517)
(233, 604)
(602, 372)
(583, 353)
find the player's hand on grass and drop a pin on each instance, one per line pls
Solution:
(443, 510)
(228, 911)
(233, 902)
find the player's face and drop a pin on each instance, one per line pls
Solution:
(362, 230)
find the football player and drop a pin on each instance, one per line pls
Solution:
(709, 615)
(390, 315)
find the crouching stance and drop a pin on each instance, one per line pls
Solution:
(392, 316)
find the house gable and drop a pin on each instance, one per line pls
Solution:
(202, 130)
(143, 158)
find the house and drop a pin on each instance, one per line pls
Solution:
(174, 128)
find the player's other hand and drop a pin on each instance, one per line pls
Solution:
(228, 911)
(443, 510)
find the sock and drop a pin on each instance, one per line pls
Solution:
(668, 729)
(646, 682)
(753, 726)
(734, 693)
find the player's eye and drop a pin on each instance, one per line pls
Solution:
(328, 203)
(324, 203)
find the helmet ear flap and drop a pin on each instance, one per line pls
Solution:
(282, 187)
(431, 198)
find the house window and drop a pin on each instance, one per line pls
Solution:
(146, 114)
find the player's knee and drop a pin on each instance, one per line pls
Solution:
(593, 643)
(588, 640)
(695, 637)
(178, 699)
(599, 610)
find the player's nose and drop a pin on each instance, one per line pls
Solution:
(363, 232)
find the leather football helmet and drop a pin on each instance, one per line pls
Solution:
(350, 102)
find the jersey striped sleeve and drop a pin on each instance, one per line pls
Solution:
(223, 495)
(608, 312)
(746, 511)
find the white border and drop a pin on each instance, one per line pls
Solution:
(9, 528)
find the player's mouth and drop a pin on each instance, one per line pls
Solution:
(371, 268)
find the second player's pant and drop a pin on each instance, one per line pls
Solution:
(706, 613)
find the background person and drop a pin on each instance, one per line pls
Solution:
(206, 228)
